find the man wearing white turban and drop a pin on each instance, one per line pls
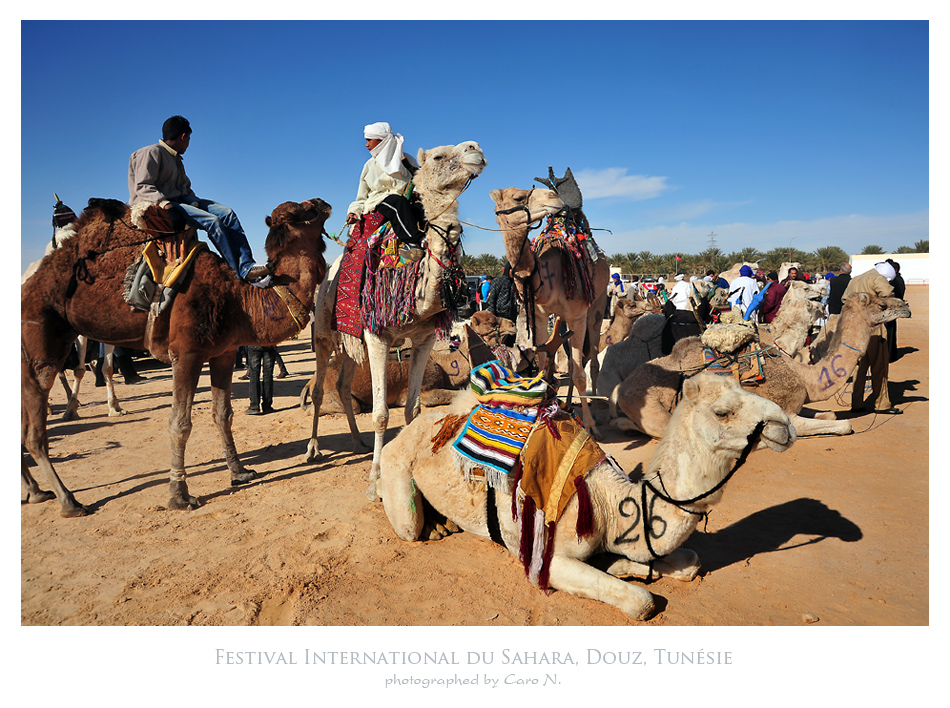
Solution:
(875, 360)
(384, 182)
(381, 197)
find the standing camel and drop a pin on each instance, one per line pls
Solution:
(539, 276)
(444, 173)
(78, 290)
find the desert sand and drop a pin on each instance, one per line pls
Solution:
(832, 532)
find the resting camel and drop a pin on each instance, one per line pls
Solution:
(626, 312)
(645, 340)
(444, 173)
(539, 277)
(213, 314)
(706, 440)
(648, 394)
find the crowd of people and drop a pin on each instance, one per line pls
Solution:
(758, 295)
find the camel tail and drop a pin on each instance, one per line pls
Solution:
(304, 396)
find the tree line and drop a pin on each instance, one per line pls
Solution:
(821, 260)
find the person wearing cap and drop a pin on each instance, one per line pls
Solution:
(743, 289)
(679, 295)
(876, 281)
(157, 175)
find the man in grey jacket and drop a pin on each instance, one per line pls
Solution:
(157, 175)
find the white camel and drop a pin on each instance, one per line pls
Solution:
(644, 522)
(444, 172)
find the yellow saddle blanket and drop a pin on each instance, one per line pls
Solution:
(165, 272)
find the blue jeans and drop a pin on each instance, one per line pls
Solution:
(224, 230)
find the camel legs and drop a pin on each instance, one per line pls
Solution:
(402, 500)
(34, 397)
(417, 367)
(377, 351)
(222, 368)
(185, 371)
(577, 578)
(680, 564)
(108, 367)
(344, 384)
(814, 426)
(578, 375)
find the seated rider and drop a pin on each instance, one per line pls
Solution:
(384, 181)
(157, 175)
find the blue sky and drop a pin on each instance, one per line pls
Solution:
(802, 133)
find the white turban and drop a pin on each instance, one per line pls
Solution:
(885, 269)
(388, 153)
(678, 277)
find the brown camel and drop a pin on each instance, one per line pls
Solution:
(648, 395)
(540, 277)
(78, 290)
(626, 313)
(444, 173)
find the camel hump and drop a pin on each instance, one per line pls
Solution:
(111, 209)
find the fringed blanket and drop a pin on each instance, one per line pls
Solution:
(575, 262)
(555, 463)
(346, 313)
(388, 297)
(493, 385)
(530, 448)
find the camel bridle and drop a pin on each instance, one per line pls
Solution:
(751, 442)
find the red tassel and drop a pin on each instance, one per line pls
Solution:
(527, 533)
(548, 554)
(585, 511)
(519, 468)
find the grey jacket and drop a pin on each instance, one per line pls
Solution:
(157, 173)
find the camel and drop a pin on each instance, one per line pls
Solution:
(648, 395)
(643, 521)
(626, 312)
(72, 392)
(213, 314)
(645, 341)
(444, 173)
(539, 278)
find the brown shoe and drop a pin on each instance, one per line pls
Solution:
(281, 374)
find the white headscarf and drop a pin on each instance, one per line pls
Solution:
(886, 269)
(388, 153)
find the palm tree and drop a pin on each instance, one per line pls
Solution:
(905, 249)
(746, 255)
(922, 246)
(871, 250)
(829, 258)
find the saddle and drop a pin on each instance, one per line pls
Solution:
(158, 274)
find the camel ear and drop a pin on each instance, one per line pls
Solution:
(267, 221)
(691, 390)
(421, 156)
(495, 194)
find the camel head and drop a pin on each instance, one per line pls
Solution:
(726, 417)
(296, 229)
(878, 310)
(800, 290)
(449, 167)
(486, 325)
(516, 208)
(627, 309)
(715, 424)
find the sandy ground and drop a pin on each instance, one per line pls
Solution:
(833, 532)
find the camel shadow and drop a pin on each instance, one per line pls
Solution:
(898, 390)
(769, 531)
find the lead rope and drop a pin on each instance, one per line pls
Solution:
(680, 503)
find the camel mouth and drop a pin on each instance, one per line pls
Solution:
(778, 435)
